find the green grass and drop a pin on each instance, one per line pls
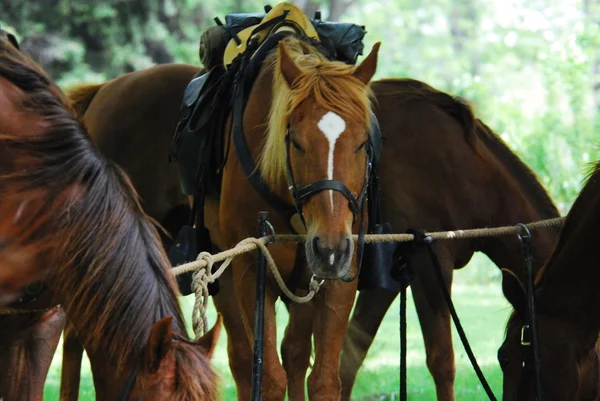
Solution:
(481, 307)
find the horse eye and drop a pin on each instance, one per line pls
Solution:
(361, 147)
(296, 145)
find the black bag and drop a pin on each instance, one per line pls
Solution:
(344, 40)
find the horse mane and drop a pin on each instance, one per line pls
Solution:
(576, 216)
(197, 383)
(519, 170)
(106, 253)
(330, 83)
(474, 129)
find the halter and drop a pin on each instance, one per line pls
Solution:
(356, 204)
(530, 362)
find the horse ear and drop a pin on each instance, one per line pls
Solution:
(367, 68)
(514, 291)
(210, 339)
(159, 343)
(289, 69)
(13, 41)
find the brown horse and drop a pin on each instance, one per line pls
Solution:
(567, 302)
(73, 219)
(474, 180)
(442, 169)
(327, 133)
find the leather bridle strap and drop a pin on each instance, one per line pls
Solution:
(323, 185)
(529, 337)
(356, 204)
(244, 155)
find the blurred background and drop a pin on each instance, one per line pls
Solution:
(530, 68)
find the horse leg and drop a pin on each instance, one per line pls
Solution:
(274, 376)
(296, 348)
(369, 311)
(332, 310)
(434, 318)
(71, 365)
(238, 348)
(28, 352)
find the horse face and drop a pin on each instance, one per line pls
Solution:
(328, 138)
(327, 146)
(568, 356)
(175, 369)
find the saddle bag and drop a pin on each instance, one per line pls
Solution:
(343, 40)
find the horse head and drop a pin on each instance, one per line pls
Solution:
(567, 303)
(325, 120)
(174, 368)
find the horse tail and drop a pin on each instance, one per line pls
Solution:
(82, 96)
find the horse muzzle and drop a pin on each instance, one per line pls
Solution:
(329, 258)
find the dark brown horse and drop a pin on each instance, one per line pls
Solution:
(72, 219)
(442, 169)
(473, 180)
(568, 303)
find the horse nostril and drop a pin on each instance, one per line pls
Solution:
(316, 246)
(345, 245)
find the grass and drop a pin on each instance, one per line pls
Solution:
(480, 305)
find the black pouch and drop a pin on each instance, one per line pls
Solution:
(378, 261)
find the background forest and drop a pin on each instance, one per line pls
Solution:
(530, 68)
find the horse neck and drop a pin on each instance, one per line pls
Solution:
(568, 282)
(520, 199)
(113, 279)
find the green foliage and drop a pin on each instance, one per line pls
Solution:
(530, 68)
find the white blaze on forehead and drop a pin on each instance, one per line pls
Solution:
(332, 126)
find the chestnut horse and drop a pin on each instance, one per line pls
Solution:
(474, 181)
(72, 218)
(567, 304)
(327, 107)
(443, 169)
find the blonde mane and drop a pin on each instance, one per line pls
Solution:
(329, 83)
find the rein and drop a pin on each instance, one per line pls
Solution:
(529, 334)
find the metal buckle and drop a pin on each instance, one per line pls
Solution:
(525, 335)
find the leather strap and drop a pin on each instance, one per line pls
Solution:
(244, 155)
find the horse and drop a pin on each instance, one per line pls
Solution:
(72, 219)
(318, 117)
(567, 305)
(474, 180)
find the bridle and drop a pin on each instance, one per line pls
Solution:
(530, 354)
(246, 73)
(357, 204)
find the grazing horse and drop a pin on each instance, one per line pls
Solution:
(567, 304)
(72, 218)
(443, 169)
(474, 181)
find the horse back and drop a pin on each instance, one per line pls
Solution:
(132, 119)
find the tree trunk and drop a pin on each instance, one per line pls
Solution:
(310, 7)
(338, 7)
